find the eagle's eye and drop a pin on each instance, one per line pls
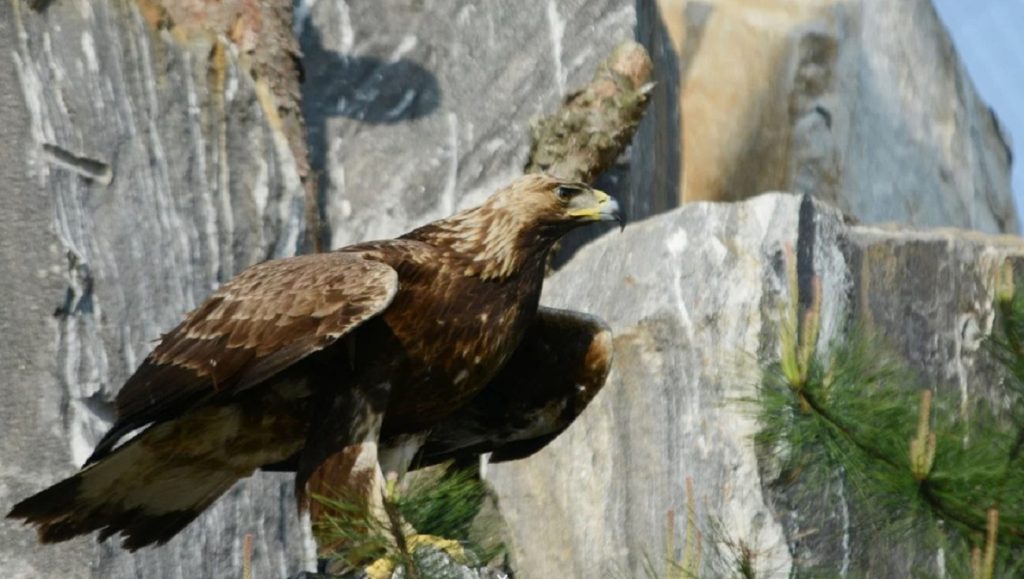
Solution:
(567, 192)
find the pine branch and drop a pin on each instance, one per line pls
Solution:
(863, 415)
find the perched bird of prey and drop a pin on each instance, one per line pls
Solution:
(339, 364)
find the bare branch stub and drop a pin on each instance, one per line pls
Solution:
(595, 124)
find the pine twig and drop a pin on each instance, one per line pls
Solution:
(247, 556)
(991, 535)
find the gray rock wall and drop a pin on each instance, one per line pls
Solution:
(137, 175)
(694, 297)
(144, 170)
(683, 293)
(416, 109)
(140, 168)
(928, 150)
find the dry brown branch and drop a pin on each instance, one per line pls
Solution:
(595, 124)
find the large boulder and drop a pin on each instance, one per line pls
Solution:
(694, 298)
(864, 104)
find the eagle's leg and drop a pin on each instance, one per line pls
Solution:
(348, 503)
(395, 458)
(377, 538)
(340, 480)
(338, 477)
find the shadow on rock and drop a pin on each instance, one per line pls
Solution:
(366, 89)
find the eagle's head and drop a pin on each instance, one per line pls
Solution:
(553, 206)
(516, 226)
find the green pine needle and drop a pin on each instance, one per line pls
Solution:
(918, 465)
(443, 503)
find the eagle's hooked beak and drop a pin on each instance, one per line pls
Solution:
(606, 208)
(610, 211)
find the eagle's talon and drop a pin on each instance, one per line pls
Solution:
(384, 568)
(391, 488)
(452, 547)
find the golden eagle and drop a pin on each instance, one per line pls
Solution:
(332, 364)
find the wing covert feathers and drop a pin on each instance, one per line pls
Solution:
(257, 324)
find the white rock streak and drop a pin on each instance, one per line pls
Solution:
(557, 28)
(346, 33)
(198, 146)
(450, 189)
(407, 45)
(676, 244)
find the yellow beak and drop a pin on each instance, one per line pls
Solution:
(606, 209)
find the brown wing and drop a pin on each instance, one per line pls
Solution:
(558, 368)
(265, 319)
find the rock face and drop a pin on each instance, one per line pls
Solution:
(139, 171)
(604, 487)
(693, 297)
(142, 165)
(417, 109)
(864, 104)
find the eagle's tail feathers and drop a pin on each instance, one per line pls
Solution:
(147, 497)
(50, 511)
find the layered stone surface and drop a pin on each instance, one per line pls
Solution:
(695, 297)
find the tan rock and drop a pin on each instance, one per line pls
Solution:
(863, 104)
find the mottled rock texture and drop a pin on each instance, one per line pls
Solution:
(694, 297)
(141, 168)
(416, 109)
(149, 154)
(143, 162)
(864, 104)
